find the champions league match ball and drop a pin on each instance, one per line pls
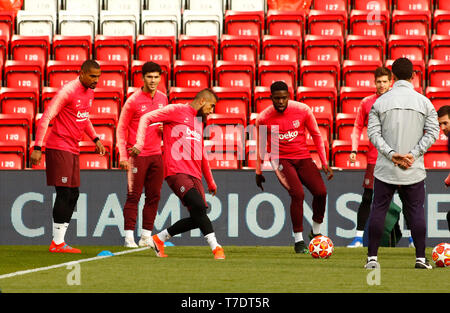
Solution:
(441, 255)
(321, 247)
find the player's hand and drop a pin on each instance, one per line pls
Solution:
(259, 180)
(328, 171)
(212, 190)
(124, 165)
(161, 128)
(134, 152)
(99, 148)
(402, 161)
(447, 181)
(352, 157)
(35, 157)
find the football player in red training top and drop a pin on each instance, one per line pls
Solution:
(69, 111)
(146, 170)
(185, 161)
(287, 123)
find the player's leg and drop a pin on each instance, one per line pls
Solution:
(382, 196)
(152, 185)
(135, 182)
(413, 198)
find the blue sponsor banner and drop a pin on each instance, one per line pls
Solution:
(241, 213)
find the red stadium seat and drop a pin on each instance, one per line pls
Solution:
(351, 97)
(344, 125)
(319, 74)
(4, 51)
(315, 154)
(341, 149)
(320, 99)
(411, 23)
(411, 47)
(228, 137)
(250, 156)
(438, 73)
(156, 48)
(47, 95)
(233, 100)
(90, 160)
(18, 101)
(419, 69)
(61, 72)
(15, 129)
(235, 74)
(441, 22)
(442, 5)
(282, 48)
(325, 123)
(107, 101)
(106, 134)
(440, 47)
(359, 73)
(182, 94)
(437, 156)
(327, 23)
(226, 119)
(271, 71)
(324, 48)
(114, 48)
(239, 48)
(286, 23)
(114, 74)
(379, 5)
(30, 48)
(244, 23)
(365, 48)
(136, 74)
(12, 157)
(192, 74)
(72, 48)
(7, 23)
(439, 96)
(330, 5)
(412, 5)
(198, 48)
(369, 23)
(219, 159)
(23, 74)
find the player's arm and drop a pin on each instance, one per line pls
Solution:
(260, 156)
(206, 170)
(54, 107)
(122, 133)
(90, 131)
(356, 132)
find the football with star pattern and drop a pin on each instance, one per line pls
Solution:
(321, 247)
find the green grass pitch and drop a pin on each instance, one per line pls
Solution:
(260, 269)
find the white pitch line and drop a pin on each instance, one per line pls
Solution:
(69, 263)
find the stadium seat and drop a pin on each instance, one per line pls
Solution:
(90, 160)
(72, 48)
(107, 101)
(166, 23)
(61, 72)
(440, 47)
(114, 74)
(114, 48)
(182, 94)
(192, 74)
(30, 48)
(239, 48)
(340, 151)
(12, 157)
(330, 5)
(419, 68)
(226, 119)
(19, 101)
(315, 154)
(83, 5)
(198, 48)
(156, 48)
(118, 23)
(437, 156)
(247, 5)
(136, 74)
(359, 73)
(106, 134)
(442, 5)
(206, 5)
(285, 23)
(106, 124)
(31, 23)
(23, 74)
(15, 129)
(369, 23)
(438, 73)
(439, 96)
(319, 74)
(327, 23)
(320, 99)
(244, 23)
(235, 74)
(47, 95)
(344, 126)
(412, 47)
(250, 157)
(282, 48)
(202, 23)
(271, 71)
(4, 50)
(379, 5)
(324, 48)
(365, 48)
(412, 5)
(350, 98)
(78, 23)
(233, 100)
(412, 23)
(7, 24)
(129, 6)
(441, 22)
(219, 159)
(44, 6)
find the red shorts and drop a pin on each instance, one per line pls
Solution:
(182, 183)
(368, 177)
(62, 168)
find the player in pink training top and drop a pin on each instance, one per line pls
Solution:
(288, 121)
(69, 111)
(383, 81)
(185, 161)
(146, 170)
